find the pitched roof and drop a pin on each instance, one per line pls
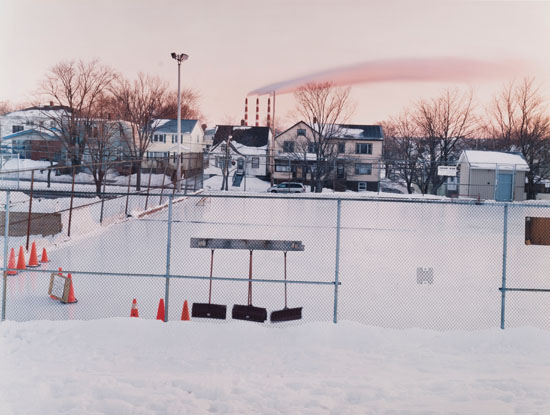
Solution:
(171, 126)
(247, 136)
(491, 159)
(27, 132)
(360, 132)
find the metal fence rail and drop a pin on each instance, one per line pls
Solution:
(435, 264)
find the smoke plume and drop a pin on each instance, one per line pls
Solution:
(391, 70)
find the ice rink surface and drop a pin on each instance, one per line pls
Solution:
(383, 244)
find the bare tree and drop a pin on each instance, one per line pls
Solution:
(521, 122)
(5, 107)
(190, 106)
(442, 124)
(75, 87)
(401, 149)
(323, 106)
(140, 102)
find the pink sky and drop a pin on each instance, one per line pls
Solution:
(238, 46)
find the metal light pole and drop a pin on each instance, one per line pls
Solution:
(179, 57)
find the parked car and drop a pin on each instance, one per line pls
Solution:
(287, 187)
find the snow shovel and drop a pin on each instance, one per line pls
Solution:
(249, 312)
(209, 310)
(286, 314)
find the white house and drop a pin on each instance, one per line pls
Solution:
(164, 142)
(32, 118)
(247, 151)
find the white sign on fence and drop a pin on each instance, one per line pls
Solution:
(446, 171)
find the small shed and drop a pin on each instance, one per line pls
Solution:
(492, 175)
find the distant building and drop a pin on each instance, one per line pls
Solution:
(164, 140)
(247, 149)
(357, 153)
(492, 175)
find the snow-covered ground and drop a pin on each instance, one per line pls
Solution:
(135, 366)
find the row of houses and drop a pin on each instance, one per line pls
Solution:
(357, 157)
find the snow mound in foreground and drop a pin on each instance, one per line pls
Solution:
(137, 366)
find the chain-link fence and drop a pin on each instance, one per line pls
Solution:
(394, 263)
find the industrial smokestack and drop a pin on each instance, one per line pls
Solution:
(269, 112)
(246, 111)
(257, 112)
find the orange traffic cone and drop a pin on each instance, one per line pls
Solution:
(11, 264)
(44, 257)
(160, 312)
(185, 312)
(134, 312)
(33, 260)
(70, 298)
(21, 259)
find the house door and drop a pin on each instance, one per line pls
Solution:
(504, 190)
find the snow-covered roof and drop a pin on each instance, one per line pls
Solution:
(360, 132)
(490, 160)
(171, 126)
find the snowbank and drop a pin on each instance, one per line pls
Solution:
(135, 366)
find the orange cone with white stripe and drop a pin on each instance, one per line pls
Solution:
(21, 259)
(185, 312)
(134, 312)
(44, 257)
(11, 264)
(33, 260)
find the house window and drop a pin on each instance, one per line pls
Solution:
(363, 168)
(282, 167)
(224, 148)
(159, 138)
(255, 162)
(174, 138)
(341, 148)
(340, 171)
(312, 147)
(301, 131)
(288, 147)
(17, 128)
(363, 148)
(362, 186)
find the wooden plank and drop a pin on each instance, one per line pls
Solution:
(537, 231)
(59, 287)
(248, 244)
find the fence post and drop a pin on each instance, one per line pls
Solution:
(168, 248)
(148, 188)
(336, 272)
(30, 212)
(504, 255)
(71, 206)
(103, 200)
(6, 236)
(128, 191)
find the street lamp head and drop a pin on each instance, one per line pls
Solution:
(179, 57)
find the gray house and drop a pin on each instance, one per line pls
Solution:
(492, 175)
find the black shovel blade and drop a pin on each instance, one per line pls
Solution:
(286, 314)
(203, 310)
(249, 313)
